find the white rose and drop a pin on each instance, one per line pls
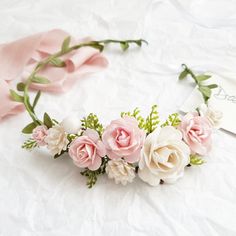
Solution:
(163, 156)
(121, 171)
(56, 139)
(71, 124)
(212, 115)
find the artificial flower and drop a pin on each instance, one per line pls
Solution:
(71, 124)
(163, 157)
(197, 132)
(121, 171)
(124, 139)
(39, 134)
(211, 114)
(56, 140)
(87, 150)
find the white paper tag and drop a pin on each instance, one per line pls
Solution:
(223, 99)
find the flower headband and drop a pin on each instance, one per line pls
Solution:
(131, 145)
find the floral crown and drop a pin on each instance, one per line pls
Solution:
(129, 146)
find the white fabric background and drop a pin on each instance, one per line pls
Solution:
(45, 197)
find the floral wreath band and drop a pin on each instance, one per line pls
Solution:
(129, 146)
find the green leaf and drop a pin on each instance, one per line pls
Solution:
(139, 43)
(92, 122)
(65, 44)
(124, 46)
(71, 137)
(29, 128)
(20, 86)
(212, 86)
(92, 176)
(29, 144)
(201, 78)
(183, 74)
(16, 97)
(136, 115)
(152, 120)
(100, 47)
(58, 155)
(196, 160)
(36, 99)
(206, 92)
(40, 80)
(57, 62)
(173, 120)
(204, 89)
(47, 120)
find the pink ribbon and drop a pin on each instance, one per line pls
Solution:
(18, 59)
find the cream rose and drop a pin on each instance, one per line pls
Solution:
(214, 116)
(56, 140)
(163, 156)
(121, 171)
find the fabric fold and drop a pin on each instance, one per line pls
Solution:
(18, 59)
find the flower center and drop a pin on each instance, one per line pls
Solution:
(85, 152)
(165, 158)
(122, 138)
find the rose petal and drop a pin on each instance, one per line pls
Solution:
(92, 134)
(134, 157)
(96, 163)
(148, 177)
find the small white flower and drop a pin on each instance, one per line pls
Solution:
(163, 157)
(71, 124)
(212, 115)
(121, 171)
(56, 139)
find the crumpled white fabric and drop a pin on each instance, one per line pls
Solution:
(45, 197)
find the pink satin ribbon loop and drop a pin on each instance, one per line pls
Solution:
(18, 59)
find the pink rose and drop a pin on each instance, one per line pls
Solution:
(196, 132)
(7, 105)
(123, 138)
(87, 150)
(39, 135)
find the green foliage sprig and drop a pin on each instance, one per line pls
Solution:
(206, 90)
(29, 144)
(173, 120)
(92, 122)
(92, 176)
(196, 160)
(152, 120)
(136, 115)
(150, 123)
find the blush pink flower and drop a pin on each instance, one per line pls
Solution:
(87, 150)
(124, 139)
(197, 132)
(39, 134)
